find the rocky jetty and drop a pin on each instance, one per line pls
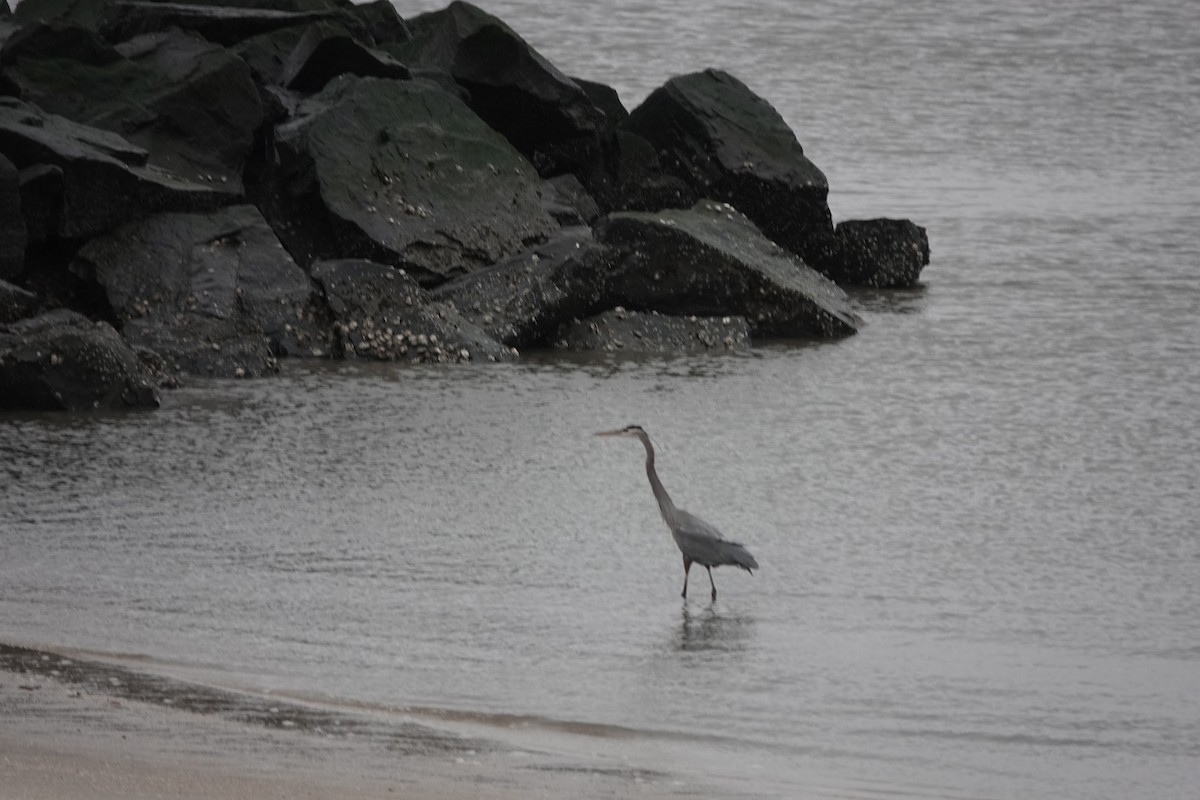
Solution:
(205, 188)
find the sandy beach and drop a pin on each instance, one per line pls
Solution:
(74, 727)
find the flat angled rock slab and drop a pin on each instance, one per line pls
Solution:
(61, 360)
(15, 303)
(621, 331)
(523, 300)
(326, 51)
(381, 313)
(192, 105)
(710, 260)
(729, 144)
(402, 173)
(212, 294)
(221, 25)
(104, 178)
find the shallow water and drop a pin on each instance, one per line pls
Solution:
(981, 576)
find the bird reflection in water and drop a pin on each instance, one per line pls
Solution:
(708, 630)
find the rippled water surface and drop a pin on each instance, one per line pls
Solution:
(976, 520)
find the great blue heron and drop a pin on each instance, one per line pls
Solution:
(700, 542)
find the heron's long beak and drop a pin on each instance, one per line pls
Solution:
(608, 433)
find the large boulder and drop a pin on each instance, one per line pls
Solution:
(13, 233)
(523, 300)
(381, 313)
(210, 294)
(711, 260)
(192, 105)
(544, 113)
(729, 144)
(105, 180)
(402, 173)
(883, 253)
(63, 361)
(621, 331)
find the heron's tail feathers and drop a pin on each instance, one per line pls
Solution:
(739, 556)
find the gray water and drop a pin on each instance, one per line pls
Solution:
(976, 519)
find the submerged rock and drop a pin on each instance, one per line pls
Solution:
(618, 330)
(212, 294)
(523, 300)
(729, 144)
(884, 253)
(380, 312)
(63, 361)
(402, 173)
(711, 260)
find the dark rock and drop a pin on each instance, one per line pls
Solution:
(266, 53)
(63, 361)
(192, 105)
(730, 145)
(630, 177)
(381, 22)
(523, 300)
(105, 180)
(884, 253)
(85, 13)
(545, 114)
(712, 261)
(5, 10)
(624, 331)
(225, 25)
(567, 202)
(605, 98)
(15, 302)
(42, 191)
(323, 54)
(381, 313)
(212, 294)
(58, 40)
(13, 233)
(401, 173)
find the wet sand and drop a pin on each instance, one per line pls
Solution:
(75, 727)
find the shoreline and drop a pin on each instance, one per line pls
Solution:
(73, 727)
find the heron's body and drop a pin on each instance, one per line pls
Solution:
(699, 542)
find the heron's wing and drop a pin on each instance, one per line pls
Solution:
(704, 544)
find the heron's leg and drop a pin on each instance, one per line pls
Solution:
(710, 580)
(687, 565)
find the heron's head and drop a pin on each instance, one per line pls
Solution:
(634, 431)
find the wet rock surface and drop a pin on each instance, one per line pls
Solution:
(61, 360)
(523, 300)
(179, 169)
(381, 313)
(710, 260)
(402, 173)
(105, 180)
(191, 105)
(212, 294)
(882, 253)
(624, 331)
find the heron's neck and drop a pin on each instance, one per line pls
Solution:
(660, 493)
